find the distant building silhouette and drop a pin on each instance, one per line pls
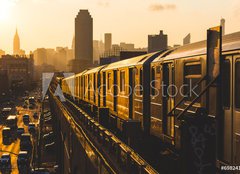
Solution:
(98, 49)
(187, 39)
(130, 54)
(73, 45)
(83, 42)
(16, 45)
(40, 56)
(127, 46)
(58, 58)
(223, 26)
(157, 42)
(2, 53)
(108, 41)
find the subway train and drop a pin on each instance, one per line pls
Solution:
(147, 93)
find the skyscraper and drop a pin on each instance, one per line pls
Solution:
(84, 39)
(157, 42)
(108, 41)
(16, 44)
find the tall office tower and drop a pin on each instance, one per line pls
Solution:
(16, 44)
(108, 41)
(84, 38)
(187, 39)
(157, 42)
(223, 26)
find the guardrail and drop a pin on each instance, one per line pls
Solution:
(123, 158)
(126, 158)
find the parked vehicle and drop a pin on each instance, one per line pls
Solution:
(31, 128)
(25, 142)
(20, 131)
(32, 100)
(5, 113)
(26, 119)
(11, 122)
(6, 136)
(23, 161)
(5, 162)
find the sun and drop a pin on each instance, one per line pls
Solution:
(5, 9)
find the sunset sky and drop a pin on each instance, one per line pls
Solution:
(50, 23)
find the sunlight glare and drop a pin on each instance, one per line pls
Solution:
(5, 9)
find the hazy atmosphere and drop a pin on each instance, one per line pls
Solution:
(50, 23)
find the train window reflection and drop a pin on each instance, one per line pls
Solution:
(122, 81)
(237, 84)
(192, 74)
(109, 81)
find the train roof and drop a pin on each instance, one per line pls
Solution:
(229, 42)
(76, 75)
(94, 70)
(81, 73)
(70, 77)
(139, 60)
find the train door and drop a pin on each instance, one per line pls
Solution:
(168, 99)
(115, 88)
(98, 89)
(104, 89)
(227, 110)
(236, 111)
(131, 88)
(231, 108)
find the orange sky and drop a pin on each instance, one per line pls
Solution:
(50, 23)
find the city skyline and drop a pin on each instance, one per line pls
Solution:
(50, 30)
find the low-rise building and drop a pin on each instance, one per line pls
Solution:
(19, 70)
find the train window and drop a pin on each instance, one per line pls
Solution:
(237, 84)
(122, 81)
(192, 74)
(226, 83)
(153, 84)
(109, 81)
(141, 81)
(158, 69)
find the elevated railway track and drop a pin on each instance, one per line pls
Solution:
(105, 152)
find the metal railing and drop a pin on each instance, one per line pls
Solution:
(116, 156)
